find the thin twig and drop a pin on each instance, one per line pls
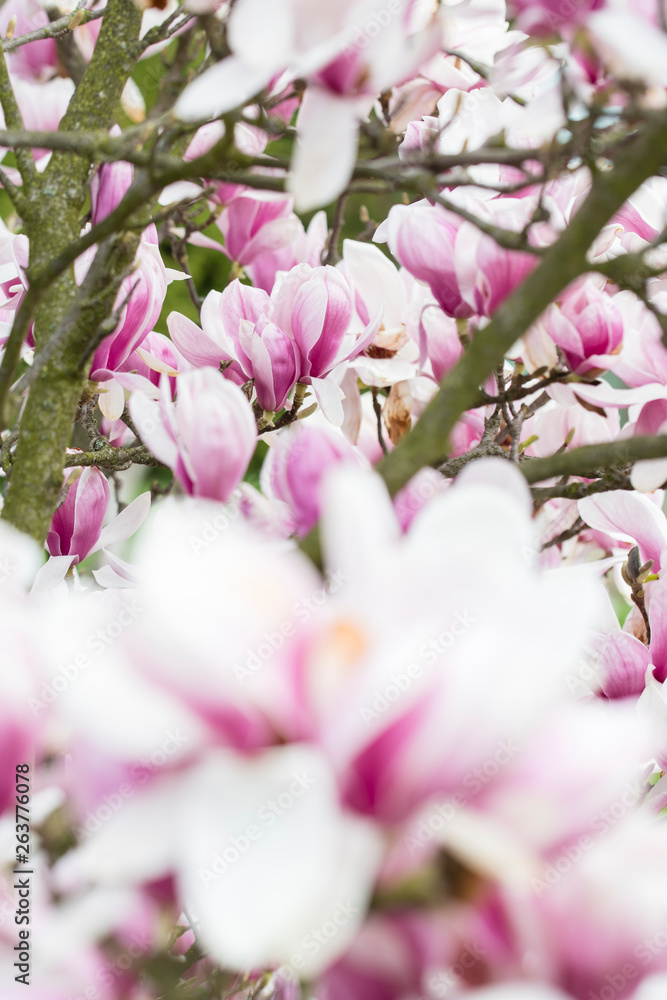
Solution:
(53, 30)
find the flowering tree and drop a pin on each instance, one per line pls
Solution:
(368, 301)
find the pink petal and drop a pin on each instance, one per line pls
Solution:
(630, 517)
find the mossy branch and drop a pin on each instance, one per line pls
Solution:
(53, 217)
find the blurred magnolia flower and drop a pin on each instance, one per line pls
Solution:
(349, 53)
(296, 465)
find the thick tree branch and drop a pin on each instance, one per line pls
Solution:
(117, 459)
(52, 215)
(593, 460)
(564, 261)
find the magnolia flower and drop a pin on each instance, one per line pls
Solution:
(422, 239)
(298, 333)
(295, 467)
(378, 287)
(255, 222)
(236, 327)
(77, 525)
(349, 53)
(587, 325)
(207, 437)
(314, 306)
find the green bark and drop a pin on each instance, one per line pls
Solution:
(52, 216)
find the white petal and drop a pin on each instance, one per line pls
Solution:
(649, 475)
(264, 840)
(227, 85)
(156, 364)
(125, 523)
(325, 150)
(330, 397)
(52, 572)
(262, 34)
(112, 400)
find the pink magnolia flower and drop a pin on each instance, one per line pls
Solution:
(487, 272)
(238, 327)
(296, 465)
(422, 238)
(77, 525)
(108, 186)
(140, 297)
(145, 291)
(547, 16)
(305, 248)
(356, 663)
(313, 305)
(256, 222)
(299, 333)
(207, 437)
(586, 324)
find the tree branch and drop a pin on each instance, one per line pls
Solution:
(593, 461)
(13, 119)
(562, 262)
(68, 22)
